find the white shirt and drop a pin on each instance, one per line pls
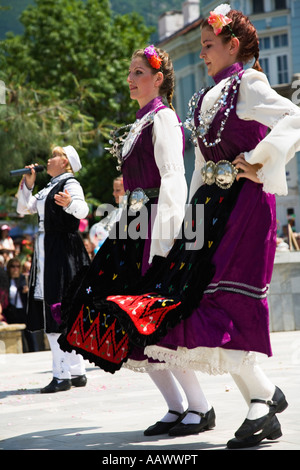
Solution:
(168, 153)
(29, 204)
(14, 296)
(258, 101)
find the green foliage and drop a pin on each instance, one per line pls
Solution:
(66, 84)
(150, 10)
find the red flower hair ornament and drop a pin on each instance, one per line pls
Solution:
(218, 18)
(152, 57)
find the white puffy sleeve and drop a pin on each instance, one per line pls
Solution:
(168, 152)
(78, 206)
(196, 180)
(258, 101)
(26, 201)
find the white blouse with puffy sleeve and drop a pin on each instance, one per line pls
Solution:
(168, 152)
(258, 101)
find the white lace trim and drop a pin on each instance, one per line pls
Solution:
(143, 366)
(213, 361)
(291, 112)
(269, 186)
(170, 167)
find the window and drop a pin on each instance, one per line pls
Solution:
(264, 63)
(258, 6)
(264, 43)
(281, 40)
(282, 67)
(280, 4)
(275, 57)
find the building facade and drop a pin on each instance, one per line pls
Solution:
(278, 26)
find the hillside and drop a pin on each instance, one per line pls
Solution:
(150, 10)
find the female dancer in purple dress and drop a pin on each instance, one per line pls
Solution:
(230, 323)
(204, 306)
(151, 158)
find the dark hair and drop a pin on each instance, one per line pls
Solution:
(13, 261)
(242, 28)
(168, 85)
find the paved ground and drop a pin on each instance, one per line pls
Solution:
(112, 411)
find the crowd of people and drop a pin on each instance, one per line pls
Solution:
(15, 264)
(160, 304)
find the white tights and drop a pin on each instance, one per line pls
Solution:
(251, 381)
(165, 382)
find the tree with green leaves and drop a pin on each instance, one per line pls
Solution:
(66, 84)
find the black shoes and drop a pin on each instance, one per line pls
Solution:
(162, 427)
(208, 421)
(252, 426)
(176, 428)
(253, 431)
(57, 385)
(79, 381)
(271, 431)
(250, 434)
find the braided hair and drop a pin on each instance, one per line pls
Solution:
(241, 28)
(167, 87)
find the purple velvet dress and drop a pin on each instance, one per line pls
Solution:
(233, 312)
(89, 324)
(140, 169)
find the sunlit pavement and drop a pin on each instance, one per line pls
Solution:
(112, 411)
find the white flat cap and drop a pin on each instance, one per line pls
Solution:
(73, 158)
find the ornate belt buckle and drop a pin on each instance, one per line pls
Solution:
(125, 199)
(208, 172)
(225, 174)
(137, 199)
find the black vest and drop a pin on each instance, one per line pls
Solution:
(56, 219)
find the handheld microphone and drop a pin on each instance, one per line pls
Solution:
(24, 171)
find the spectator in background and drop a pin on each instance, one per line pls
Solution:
(6, 242)
(15, 312)
(118, 189)
(26, 265)
(3, 293)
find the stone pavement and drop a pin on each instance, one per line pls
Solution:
(112, 411)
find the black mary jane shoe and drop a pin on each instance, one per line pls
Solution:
(162, 427)
(252, 426)
(271, 431)
(57, 385)
(208, 421)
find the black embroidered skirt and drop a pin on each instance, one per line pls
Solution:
(111, 308)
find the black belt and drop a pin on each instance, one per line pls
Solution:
(151, 192)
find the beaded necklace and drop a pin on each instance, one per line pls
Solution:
(122, 143)
(206, 117)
